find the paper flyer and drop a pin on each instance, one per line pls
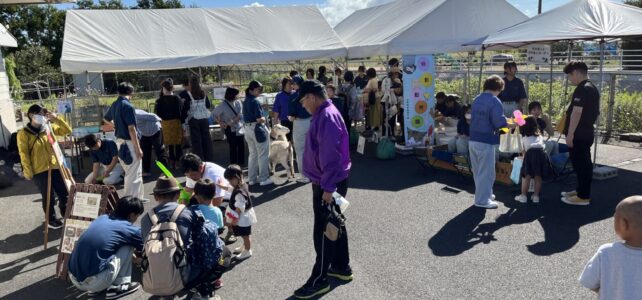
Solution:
(86, 205)
(73, 230)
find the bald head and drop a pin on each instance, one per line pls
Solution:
(631, 209)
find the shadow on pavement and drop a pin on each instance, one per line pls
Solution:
(49, 288)
(560, 222)
(25, 241)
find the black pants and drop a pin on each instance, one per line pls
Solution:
(580, 156)
(199, 132)
(58, 186)
(237, 147)
(175, 152)
(146, 144)
(402, 123)
(289, 125)
(329, 253)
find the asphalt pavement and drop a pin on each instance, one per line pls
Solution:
(413, 234)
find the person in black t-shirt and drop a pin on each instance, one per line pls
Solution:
(579, 130)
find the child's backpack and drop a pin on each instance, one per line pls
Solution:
(206, 248)
(163, 256)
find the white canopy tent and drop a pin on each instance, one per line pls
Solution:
(135, 40)
(424, 26)
(23, 2)
(6, 38)
(576, 20)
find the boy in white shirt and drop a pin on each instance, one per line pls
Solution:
(615, 271)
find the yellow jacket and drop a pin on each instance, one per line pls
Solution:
(36, 154)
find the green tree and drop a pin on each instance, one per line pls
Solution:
(158, 4)
(102, 4)
(32, 63)
(40, 25)
(14, 82)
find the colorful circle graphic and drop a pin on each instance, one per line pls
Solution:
(426, 79)
(421, 107)
(423, 63)
(416, 94)
(417, 122)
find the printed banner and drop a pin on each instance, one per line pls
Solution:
(86, 205)
(73, 231)
(419, 98)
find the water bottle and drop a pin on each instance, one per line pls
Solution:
(341, 202)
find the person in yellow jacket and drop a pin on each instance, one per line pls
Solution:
(37, 158)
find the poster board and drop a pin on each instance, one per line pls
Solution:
(72, 232)
(419, 98)
(219, 93)
(107, 203)
(538, 54)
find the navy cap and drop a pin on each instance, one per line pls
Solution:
(310, 87)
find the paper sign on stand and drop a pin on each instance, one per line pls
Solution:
(361, 145)
(87, 205)
(219, 93)
(73, 230)
(538, 54)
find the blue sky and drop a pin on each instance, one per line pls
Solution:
(336, 10)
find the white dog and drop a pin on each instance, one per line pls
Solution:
(281, 151)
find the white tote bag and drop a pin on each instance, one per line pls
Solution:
(511, 142)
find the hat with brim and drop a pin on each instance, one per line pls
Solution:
(310, 87)
(165, 185)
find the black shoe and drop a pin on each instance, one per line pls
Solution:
(121, 290)
(55, 224)
(231, 240)
(310, 291)
(343, 275)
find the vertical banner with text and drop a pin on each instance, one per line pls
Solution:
(419, 98)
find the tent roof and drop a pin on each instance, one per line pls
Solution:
(6, 39)
(423, 26)
(133, 40)
(576, 20)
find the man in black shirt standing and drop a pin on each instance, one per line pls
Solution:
(579, 130)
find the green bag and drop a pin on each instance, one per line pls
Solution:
(386, 149)
(354, 136)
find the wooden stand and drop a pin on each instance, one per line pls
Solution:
(66, 175)
(108, 200)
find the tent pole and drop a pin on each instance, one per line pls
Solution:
(481, 69)
(570, 56)
(599, 88)
(88, 88)
(550, 87)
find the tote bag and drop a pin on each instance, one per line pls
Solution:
(511, 142)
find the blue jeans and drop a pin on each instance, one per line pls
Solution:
(482, 161)
(118, 271)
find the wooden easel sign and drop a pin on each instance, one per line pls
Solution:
(86, 203)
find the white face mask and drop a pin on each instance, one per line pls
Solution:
(467, 116)
(39, 119)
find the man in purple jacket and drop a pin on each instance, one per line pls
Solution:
(327, 163)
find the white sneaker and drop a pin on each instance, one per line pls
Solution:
(251, 182)
(266, 182)
(244, 255)
(490, 205)
(521, 198)
(535, 199)
(303, 180)
(198, 296)
(569, 194)
(492, 197)
(239, 249)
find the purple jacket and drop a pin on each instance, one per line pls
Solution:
(327, 156)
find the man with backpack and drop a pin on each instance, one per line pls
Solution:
(166, 263)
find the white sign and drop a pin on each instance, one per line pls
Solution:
(86, 205)
(73, 230)
(361, 145)
(538, 54)
(219, 93)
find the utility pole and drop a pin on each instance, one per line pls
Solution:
(539, 7)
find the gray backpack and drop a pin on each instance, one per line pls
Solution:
(164, 256)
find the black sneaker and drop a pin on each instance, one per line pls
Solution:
(121, 290)
(55, 224)
(343, 275)
(310, 291)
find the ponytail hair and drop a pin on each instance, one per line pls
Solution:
(195, 88)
